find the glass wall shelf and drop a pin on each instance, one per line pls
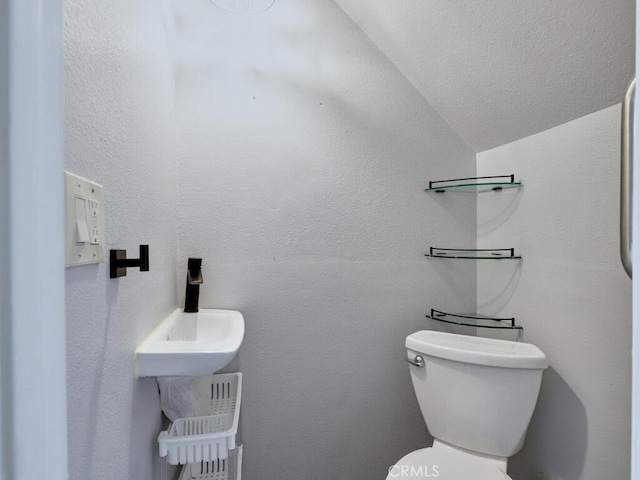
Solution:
(474, 184)
(476, 326)
(474, 320)
(474, 254)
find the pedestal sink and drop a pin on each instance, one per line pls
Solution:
(190, 344)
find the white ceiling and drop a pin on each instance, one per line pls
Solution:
(500, 70)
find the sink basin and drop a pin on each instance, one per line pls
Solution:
(190, 344)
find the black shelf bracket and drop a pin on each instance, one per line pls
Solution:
(118, 262)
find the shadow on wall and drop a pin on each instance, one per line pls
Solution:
(559, 440)
(144, 408)
(83, 357)
(496, 208)
(494, 296)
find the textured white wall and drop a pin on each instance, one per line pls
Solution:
(499, 72)
(119, 131)
(303, 155)
(571, 293)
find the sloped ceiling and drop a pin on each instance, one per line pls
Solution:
(500, 70)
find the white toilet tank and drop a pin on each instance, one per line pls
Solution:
(476, 393)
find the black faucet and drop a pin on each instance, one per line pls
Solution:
(194, 279)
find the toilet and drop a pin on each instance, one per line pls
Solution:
(477, 396)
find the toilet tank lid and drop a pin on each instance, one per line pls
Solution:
(477, 350)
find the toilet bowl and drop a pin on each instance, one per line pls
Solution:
(443, 464)
(477, 396)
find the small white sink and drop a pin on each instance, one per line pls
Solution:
(190, 344)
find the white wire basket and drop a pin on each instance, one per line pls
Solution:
(229, 469)
(211, 437)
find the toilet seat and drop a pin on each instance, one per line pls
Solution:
(440, 464)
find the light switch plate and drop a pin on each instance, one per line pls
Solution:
(84, 221)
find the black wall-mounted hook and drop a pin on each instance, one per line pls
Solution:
(119, 262)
